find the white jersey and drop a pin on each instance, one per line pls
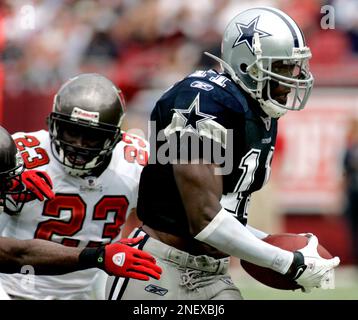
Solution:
(85, 212)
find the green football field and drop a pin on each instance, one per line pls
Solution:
(346, 287)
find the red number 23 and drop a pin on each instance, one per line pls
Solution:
(77, 207)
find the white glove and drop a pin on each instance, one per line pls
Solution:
(313, 271)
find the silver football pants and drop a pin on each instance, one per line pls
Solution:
(184, 277)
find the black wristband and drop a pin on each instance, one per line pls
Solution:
(298, 265)
(92, 257)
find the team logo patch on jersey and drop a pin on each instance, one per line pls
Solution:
(202, 85)
(152, 288)
(193, 120)
(193, 116)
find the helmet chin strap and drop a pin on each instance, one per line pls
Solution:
(232, 73)
(271, 109)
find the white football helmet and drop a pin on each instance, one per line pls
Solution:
(253, 42)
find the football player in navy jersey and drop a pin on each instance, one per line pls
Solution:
(212, 145)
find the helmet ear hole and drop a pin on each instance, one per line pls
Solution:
(243, 67)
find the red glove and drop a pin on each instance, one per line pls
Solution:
(119, 259)
(37, 183)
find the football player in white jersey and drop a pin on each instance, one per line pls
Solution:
(45, 257)
(95, 169)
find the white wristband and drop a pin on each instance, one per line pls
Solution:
(228, 235)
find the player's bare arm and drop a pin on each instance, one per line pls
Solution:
(200, 190)
(49, 258)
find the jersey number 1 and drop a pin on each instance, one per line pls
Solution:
(249, 164)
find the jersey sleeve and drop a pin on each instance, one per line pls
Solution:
(131, 157)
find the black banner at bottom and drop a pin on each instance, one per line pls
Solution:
(152, 310)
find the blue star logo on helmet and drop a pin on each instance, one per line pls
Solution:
(246, 33)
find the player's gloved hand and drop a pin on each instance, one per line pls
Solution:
(310, 270)
(120, 259)
(38, 185)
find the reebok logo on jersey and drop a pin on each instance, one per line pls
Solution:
(202, 85)
(119, 258)
(152, 288)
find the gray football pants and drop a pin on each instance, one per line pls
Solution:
(184, 277)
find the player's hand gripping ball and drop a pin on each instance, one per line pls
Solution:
(271, 278)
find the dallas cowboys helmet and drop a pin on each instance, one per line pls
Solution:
(90, 107)
(11, 167)
(253, 42)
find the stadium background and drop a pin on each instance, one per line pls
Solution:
(144, 46)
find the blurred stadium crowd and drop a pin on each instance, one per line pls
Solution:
(142, 44)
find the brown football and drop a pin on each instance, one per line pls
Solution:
(273, 279)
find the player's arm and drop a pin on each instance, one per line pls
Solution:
(201, 191)
(49, 258)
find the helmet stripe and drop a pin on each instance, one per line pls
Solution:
(298, 40)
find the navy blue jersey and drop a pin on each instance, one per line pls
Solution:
(211, 107)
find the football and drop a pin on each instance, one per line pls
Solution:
(271, 278)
